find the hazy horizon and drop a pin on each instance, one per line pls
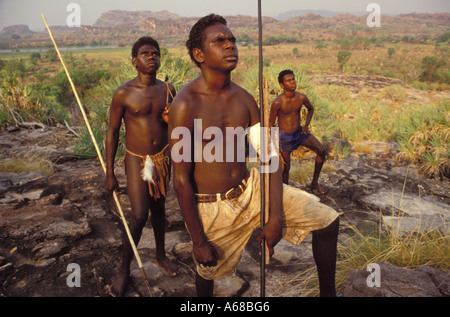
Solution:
(16, 12)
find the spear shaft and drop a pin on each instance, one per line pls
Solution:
(116, 199)
(264, 183)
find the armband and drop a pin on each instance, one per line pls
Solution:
(254, 138)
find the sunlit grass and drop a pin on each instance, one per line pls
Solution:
(408, 250)
(20, 164)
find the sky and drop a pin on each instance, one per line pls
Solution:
(28, 12)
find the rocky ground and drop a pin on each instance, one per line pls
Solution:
(49, 222)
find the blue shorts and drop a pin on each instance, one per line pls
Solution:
(290, 141)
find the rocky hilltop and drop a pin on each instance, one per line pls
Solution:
(118, 27)
(20, 29)
(117, 17)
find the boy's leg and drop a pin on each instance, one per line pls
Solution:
(321, 152)
(287, 167)
(305, 214)
(324, 244)
(139, 199)
(205, 288)
(158, 218)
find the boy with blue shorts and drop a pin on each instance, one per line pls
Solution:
(287, 108)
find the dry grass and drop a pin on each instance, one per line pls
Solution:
(302, 170)
(428, 147)
(409, 250)
(362, 148)
(34, 162)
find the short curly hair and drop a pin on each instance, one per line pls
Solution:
(283, 73)
(196, 35)
(143, 41)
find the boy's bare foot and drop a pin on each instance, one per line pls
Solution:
(118, 286)
(171, 268)
(320, 190)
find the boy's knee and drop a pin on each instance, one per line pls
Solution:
(139, 219)
(323, 153)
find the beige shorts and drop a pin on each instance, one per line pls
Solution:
(229, 224)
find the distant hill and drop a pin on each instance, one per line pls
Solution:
(19, 29)
(322, 13)
(122, 28)
(313, 26)
(296, 13)
(117, 17)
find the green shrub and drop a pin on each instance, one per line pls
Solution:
(393, 92)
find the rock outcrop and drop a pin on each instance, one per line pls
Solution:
(48, 222)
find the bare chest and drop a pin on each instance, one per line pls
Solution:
(223, 114)
(146, 102)
(291, 106)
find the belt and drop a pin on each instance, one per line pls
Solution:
(233, 193)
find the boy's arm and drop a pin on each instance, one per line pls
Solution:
(309, 115)
(274, 113)
(116, 113)
(172, 94)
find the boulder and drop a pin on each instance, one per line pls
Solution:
(396, 282)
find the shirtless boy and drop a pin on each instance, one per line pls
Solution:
(219, 199)
(142, 103)
(287, 108)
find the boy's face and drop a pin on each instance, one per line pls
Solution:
(147, 59)
(289, 83)
(219, 48)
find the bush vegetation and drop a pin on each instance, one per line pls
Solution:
(33, 87)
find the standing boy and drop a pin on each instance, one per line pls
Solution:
(287, 108)
(219, 198)
(142, 103)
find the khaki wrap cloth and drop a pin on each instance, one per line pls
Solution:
(229, 224)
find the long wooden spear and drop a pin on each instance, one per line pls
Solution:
(264, 180)
(116, 199)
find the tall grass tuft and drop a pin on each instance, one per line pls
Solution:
(34, 162)
(425, 141)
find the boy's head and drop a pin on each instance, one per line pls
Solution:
(142, 41)
(283, 73)
(196, 35)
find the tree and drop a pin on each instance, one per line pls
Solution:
(443, 38)
(245, 39)
(342, 58)
(51, 55)
(344, 43)
(430, 65)
(271, 40)
(391, 51)
(35, 56)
